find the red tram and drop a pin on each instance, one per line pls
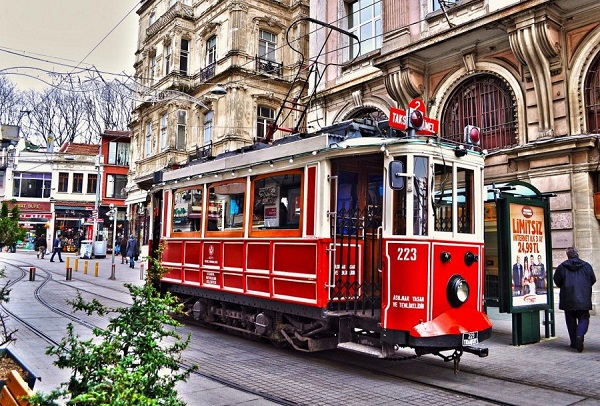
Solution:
(343, 239)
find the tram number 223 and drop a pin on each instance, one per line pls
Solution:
(407, 254)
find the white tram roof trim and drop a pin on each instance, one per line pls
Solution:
(276, 152)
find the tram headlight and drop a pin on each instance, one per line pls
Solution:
(457, 291)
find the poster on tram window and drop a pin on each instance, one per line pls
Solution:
(527, 242)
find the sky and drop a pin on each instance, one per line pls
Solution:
(65, 32)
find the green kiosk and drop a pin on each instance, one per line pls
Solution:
(518, 258)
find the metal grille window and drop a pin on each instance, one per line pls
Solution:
(265, 116)
(181, 129)
(592, 97)
(484, 101)
(63, 182)
(183, 56)
(364, 21)
(163, 131)
(266, 45)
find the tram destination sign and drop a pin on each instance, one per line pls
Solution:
(398, 120)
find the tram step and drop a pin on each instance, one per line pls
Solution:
(361, 349)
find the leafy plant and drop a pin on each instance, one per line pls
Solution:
(6, 335)
(10, 230)
(137, 360)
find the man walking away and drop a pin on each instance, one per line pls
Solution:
(132, 250)
(41, 246)
(123, 249)
(575, 278)
(57, 249)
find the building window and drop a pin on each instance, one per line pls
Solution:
(364, 21)
(163, 132)
(483, 101)
(211, 50)
(208, 127)
(77, 183)
(63, 182)
(115, 186)
(265, 116)
(446, 3)
(92, 183)
(266, 45)
(168, 59)
(152, 17)
(181, 129)
(592, 97)
(27, 184)
(118, 153)
(148, 139)
(152, 69)
(183, 56)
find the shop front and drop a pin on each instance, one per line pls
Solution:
(35, 217)
(69, 224)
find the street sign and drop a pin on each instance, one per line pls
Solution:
(397, 119)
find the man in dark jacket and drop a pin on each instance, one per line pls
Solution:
(132, 250)
(575, 278)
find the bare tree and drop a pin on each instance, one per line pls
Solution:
(10, 102)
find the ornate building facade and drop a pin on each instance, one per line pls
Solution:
(526, 72)
(186, 50)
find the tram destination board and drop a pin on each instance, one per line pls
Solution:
(470, 338)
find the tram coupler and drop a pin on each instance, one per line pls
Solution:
(480, 352)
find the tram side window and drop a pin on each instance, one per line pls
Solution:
(226, 207)
(187, 210)
(277, 202)
(442, 196)
(399, 197)
(464, 196)
(420, 195)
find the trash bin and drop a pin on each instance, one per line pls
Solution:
(100, 249)
(86, 250)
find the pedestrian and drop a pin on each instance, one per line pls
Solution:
(123, 249)
(132, 250)
(41, 246)
(575, 278)
(57, 249)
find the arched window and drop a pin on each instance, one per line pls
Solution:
(484, 101)
(592, 96)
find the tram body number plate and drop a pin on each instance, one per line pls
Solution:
(470, 338)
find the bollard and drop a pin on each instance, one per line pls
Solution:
(85, 267)
(142, 271)
(68, 262)
(69, 273)
(32, 273)
(76, 264)
(112, 273)
(96, 269)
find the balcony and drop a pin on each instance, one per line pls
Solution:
(270, 67)
(207, 73)
(178, 10)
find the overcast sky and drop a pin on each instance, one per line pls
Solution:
(65, 31)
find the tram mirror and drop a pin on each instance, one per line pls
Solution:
(397, 175)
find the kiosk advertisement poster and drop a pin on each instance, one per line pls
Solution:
(527, 247)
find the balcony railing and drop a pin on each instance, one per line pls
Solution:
(207, 73)
(270, 67)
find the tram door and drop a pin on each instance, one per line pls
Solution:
(357, 200)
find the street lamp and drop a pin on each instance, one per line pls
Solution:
(112, 213)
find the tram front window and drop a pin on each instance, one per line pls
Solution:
(464, 197)
(443, 195)
(420, 195)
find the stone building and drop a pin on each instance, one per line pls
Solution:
(186, 50)
(526, 72)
